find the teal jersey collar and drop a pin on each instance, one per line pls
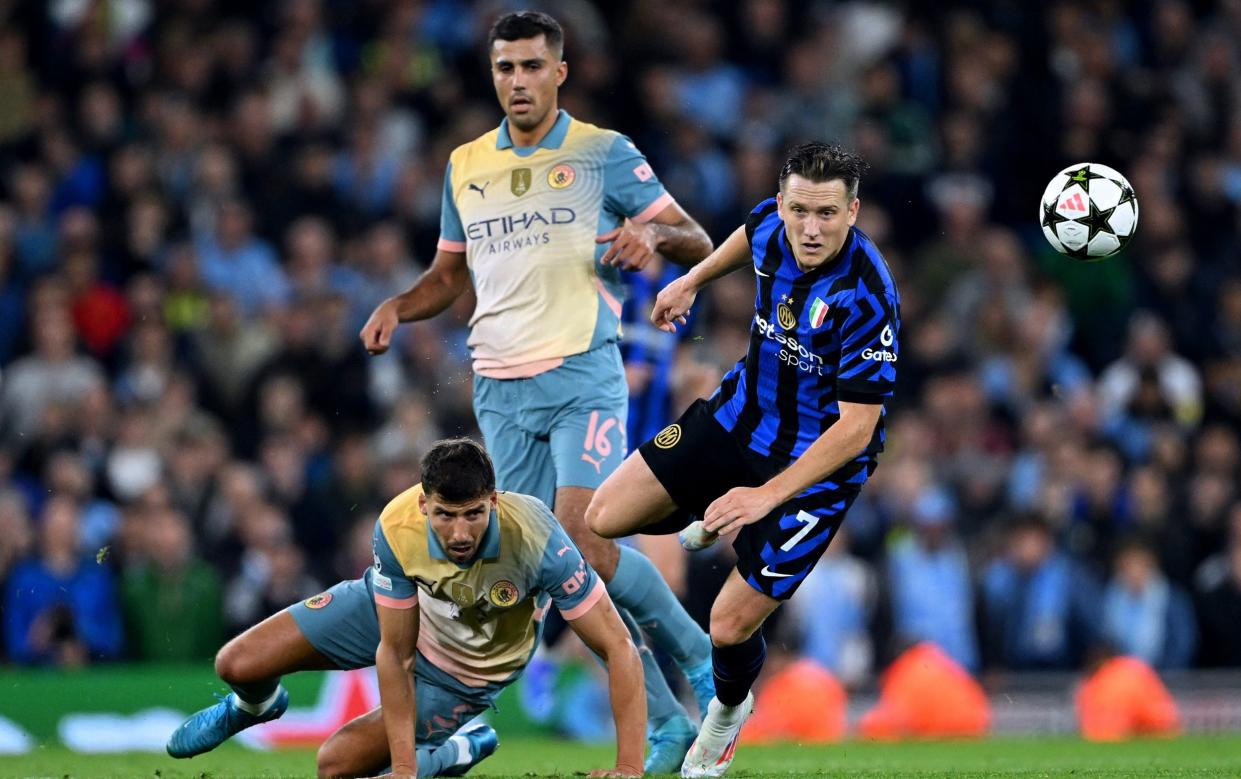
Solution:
(553, 140)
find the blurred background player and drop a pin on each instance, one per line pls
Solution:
(783, 447)
(454, 601)
(541, 215)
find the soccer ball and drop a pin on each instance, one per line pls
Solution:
(1088, 211)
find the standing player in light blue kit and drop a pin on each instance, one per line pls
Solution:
(540, 215)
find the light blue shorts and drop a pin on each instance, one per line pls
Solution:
(345, 630)
(562, 428)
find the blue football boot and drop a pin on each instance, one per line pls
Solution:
(214, 725)
(668, 744)
(701, 680)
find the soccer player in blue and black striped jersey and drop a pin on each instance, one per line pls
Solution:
(783, 447)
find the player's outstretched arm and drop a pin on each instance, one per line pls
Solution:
(672, 233)
(394, 665)
(678, 237)
(601, 629)
(675, 300)
(839, 444)
(434, 291)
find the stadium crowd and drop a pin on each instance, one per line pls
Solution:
(201, 202)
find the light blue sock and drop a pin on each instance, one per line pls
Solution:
(640, 589)
(661, 704)
(433, 761)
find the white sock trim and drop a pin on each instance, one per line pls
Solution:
(257, 709)
(463, 749)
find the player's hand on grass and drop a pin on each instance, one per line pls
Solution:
(624, 771)
(633, 245)
(672, 304)
(737, 508)
(377, 333)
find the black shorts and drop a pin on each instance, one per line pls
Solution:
(697, 460)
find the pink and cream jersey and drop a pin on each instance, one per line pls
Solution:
(480, 622)
(526, 219)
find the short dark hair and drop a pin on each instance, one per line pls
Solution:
(821, 162)
(520, 25)
(458, 470)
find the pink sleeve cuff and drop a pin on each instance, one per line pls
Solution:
(652, 211)
(588, 603)
(396, 603)
(450, 246)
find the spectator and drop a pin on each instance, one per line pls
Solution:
(60, 606)
(834, 613)
(15, 535)
(1171, 379)
(68, 474)
(227, 352)
(1145, 615)
(171, 599)
(313, 268)
(1220, 602)
(34, 235)
(929, 582)
(1040, 608)
(272, 576)
(386, 266)
(232, 259)
(52, 375)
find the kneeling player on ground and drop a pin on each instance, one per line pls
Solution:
(449, 615)
(783, 447)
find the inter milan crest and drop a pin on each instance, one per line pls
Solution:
(668, 437)
(784, 315)
(520, 183)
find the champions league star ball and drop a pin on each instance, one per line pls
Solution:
(1088, 211)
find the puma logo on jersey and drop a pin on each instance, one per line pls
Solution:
(481, 190)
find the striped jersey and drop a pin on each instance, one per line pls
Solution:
(650, 350)
(818, 338)
(480, 621)
(526, 219)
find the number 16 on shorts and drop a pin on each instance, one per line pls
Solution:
(597, 448)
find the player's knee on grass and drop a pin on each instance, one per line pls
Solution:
(326, 761)
(335, 760)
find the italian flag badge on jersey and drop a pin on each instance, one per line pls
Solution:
(818, 312)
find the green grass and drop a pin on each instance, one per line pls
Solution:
(1218, 756)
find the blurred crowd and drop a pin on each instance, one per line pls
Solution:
(201, 201)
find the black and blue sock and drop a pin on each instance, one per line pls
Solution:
(737, 667)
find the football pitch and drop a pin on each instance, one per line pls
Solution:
(1199, 756)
